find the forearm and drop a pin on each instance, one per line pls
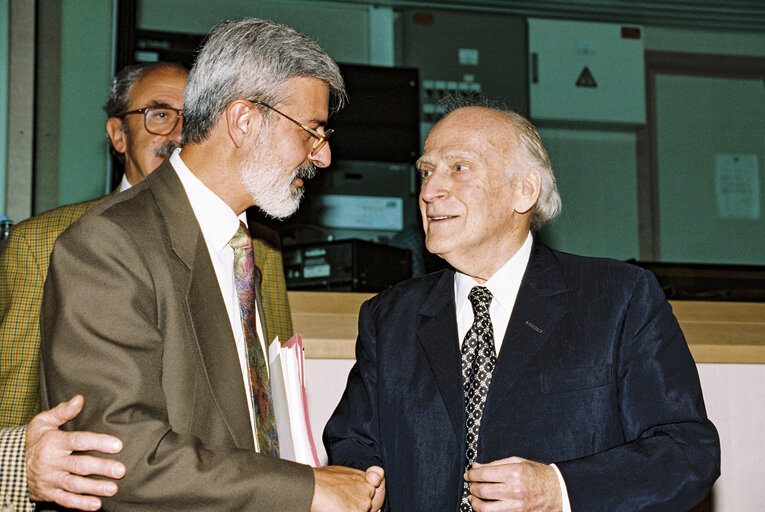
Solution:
(670, 470)
(13, 477)
(351, 436)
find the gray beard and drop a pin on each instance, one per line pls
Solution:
(277, 198)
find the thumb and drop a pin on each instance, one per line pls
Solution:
(63, 412)
(374, 475)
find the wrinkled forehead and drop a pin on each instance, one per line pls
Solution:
(163, 86)
(471, 131)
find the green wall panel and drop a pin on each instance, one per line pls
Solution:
(86, 48)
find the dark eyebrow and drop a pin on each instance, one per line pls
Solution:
(317, 121)
(160, 104)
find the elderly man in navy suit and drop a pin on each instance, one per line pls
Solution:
(525, 378)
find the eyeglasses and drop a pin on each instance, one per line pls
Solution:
(157, 120)
(321, 139)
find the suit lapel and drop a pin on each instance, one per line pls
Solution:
(538, 309)
(205, 310)
(438, 337)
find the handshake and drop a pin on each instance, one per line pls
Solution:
(337, 488)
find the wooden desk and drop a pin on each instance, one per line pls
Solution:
(717, 332)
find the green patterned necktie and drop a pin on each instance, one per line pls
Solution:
(245, 275)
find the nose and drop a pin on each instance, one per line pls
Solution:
(433, 187)
(322, 158)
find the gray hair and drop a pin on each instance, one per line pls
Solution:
(252, 59)
(123, 82)
(533, 154)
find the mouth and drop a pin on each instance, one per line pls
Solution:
(433, 218)
(307, 171)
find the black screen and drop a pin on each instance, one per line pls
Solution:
(381, 121)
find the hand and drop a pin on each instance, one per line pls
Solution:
(341, 489)
(376, 476)
(54, 474)
(514, 484)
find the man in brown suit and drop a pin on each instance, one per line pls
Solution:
(138, 311)
(138, 94)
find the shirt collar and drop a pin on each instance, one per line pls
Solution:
(124, 184)
(505, 282)
(216, 219)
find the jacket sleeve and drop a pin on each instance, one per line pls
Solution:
(671, 453)
(13, 477)
(21, 283)
(352, 432)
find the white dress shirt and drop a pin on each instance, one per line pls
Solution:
(124, 184)
(504, 286)
(219, 223)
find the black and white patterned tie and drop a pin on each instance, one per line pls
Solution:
(478, 361)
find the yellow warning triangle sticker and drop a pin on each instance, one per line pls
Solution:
(586, 79)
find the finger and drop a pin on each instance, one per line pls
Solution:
(90, 441)
(480, 505)
(490, 473)
(375, 475)
(75, 501)
(379, 498)
(58, 415)
(64, 411)
(88, 486)
(486, 491)
(508, 460)
(85, 465)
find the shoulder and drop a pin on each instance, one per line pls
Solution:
(33, 238)
(588, 276)
(264, 237)
(575, 264)
(412, 294)
(134, 210)
(56, 220)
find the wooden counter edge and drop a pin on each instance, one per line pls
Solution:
(717, 332)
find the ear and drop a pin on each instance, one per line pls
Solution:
(243, 120)
(527, 189)
(116, 134)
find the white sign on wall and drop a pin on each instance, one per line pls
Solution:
(737, 186)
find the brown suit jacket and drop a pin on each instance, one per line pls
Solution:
(133, 318)
(23, 268)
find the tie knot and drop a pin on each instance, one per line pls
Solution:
(241, 239)
(480, 297)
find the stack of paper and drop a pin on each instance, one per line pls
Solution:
(293, 425)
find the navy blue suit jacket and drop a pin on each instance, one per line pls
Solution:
(594, 374)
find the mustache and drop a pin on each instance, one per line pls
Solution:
(166, 149)
(306, 171)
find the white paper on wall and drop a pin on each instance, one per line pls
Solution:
(737, 186)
